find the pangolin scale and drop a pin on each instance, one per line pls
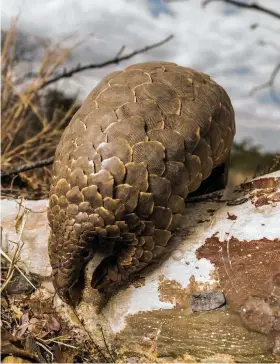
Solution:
(143, 139)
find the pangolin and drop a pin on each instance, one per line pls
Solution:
(143, 139)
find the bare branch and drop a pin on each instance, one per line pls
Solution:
(95, 345)
(120, 52)
(106, 345)
(253, 6)
(269, 84)
(27, 167)
(115, 60)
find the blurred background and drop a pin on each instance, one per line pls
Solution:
(54, 52)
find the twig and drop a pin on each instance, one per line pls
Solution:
(64, 344)
(120, 51)
(115, 60)
(13, 261)
(106, 345)
(95, 345)
(27, 167)
(253, 6)
(272, 44)
(17, 268)
(57, 341)
(12, 182)
(270, 83)
(45, 348)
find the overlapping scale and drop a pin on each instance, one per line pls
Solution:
(143, 139)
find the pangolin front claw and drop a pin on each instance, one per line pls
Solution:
(107, 274)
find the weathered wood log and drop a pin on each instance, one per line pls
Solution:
(217, 295)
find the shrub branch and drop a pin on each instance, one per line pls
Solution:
(253, 6)
(27, 167)
(117, 59)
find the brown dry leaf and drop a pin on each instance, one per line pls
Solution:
(4, 303)
(53, 324)
(19, 221)
(35, 326)
(13, 346)
(23, 324)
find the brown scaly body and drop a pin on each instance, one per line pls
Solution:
(143, 139)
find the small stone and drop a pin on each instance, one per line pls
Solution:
(207, 301)
(19, 284)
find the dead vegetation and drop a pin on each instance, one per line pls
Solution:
(30, 132)
(33, 119)
(35, 115)
(31, 330)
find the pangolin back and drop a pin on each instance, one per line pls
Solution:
(142, 140)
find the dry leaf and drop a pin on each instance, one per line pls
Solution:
(35, 326)
(18, 222)
(4, 303)
(17, 311)
(23, 324)
(53, 324)
(13, 346)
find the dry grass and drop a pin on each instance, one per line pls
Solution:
(19, 227)
(27, 134)
(30, 327)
